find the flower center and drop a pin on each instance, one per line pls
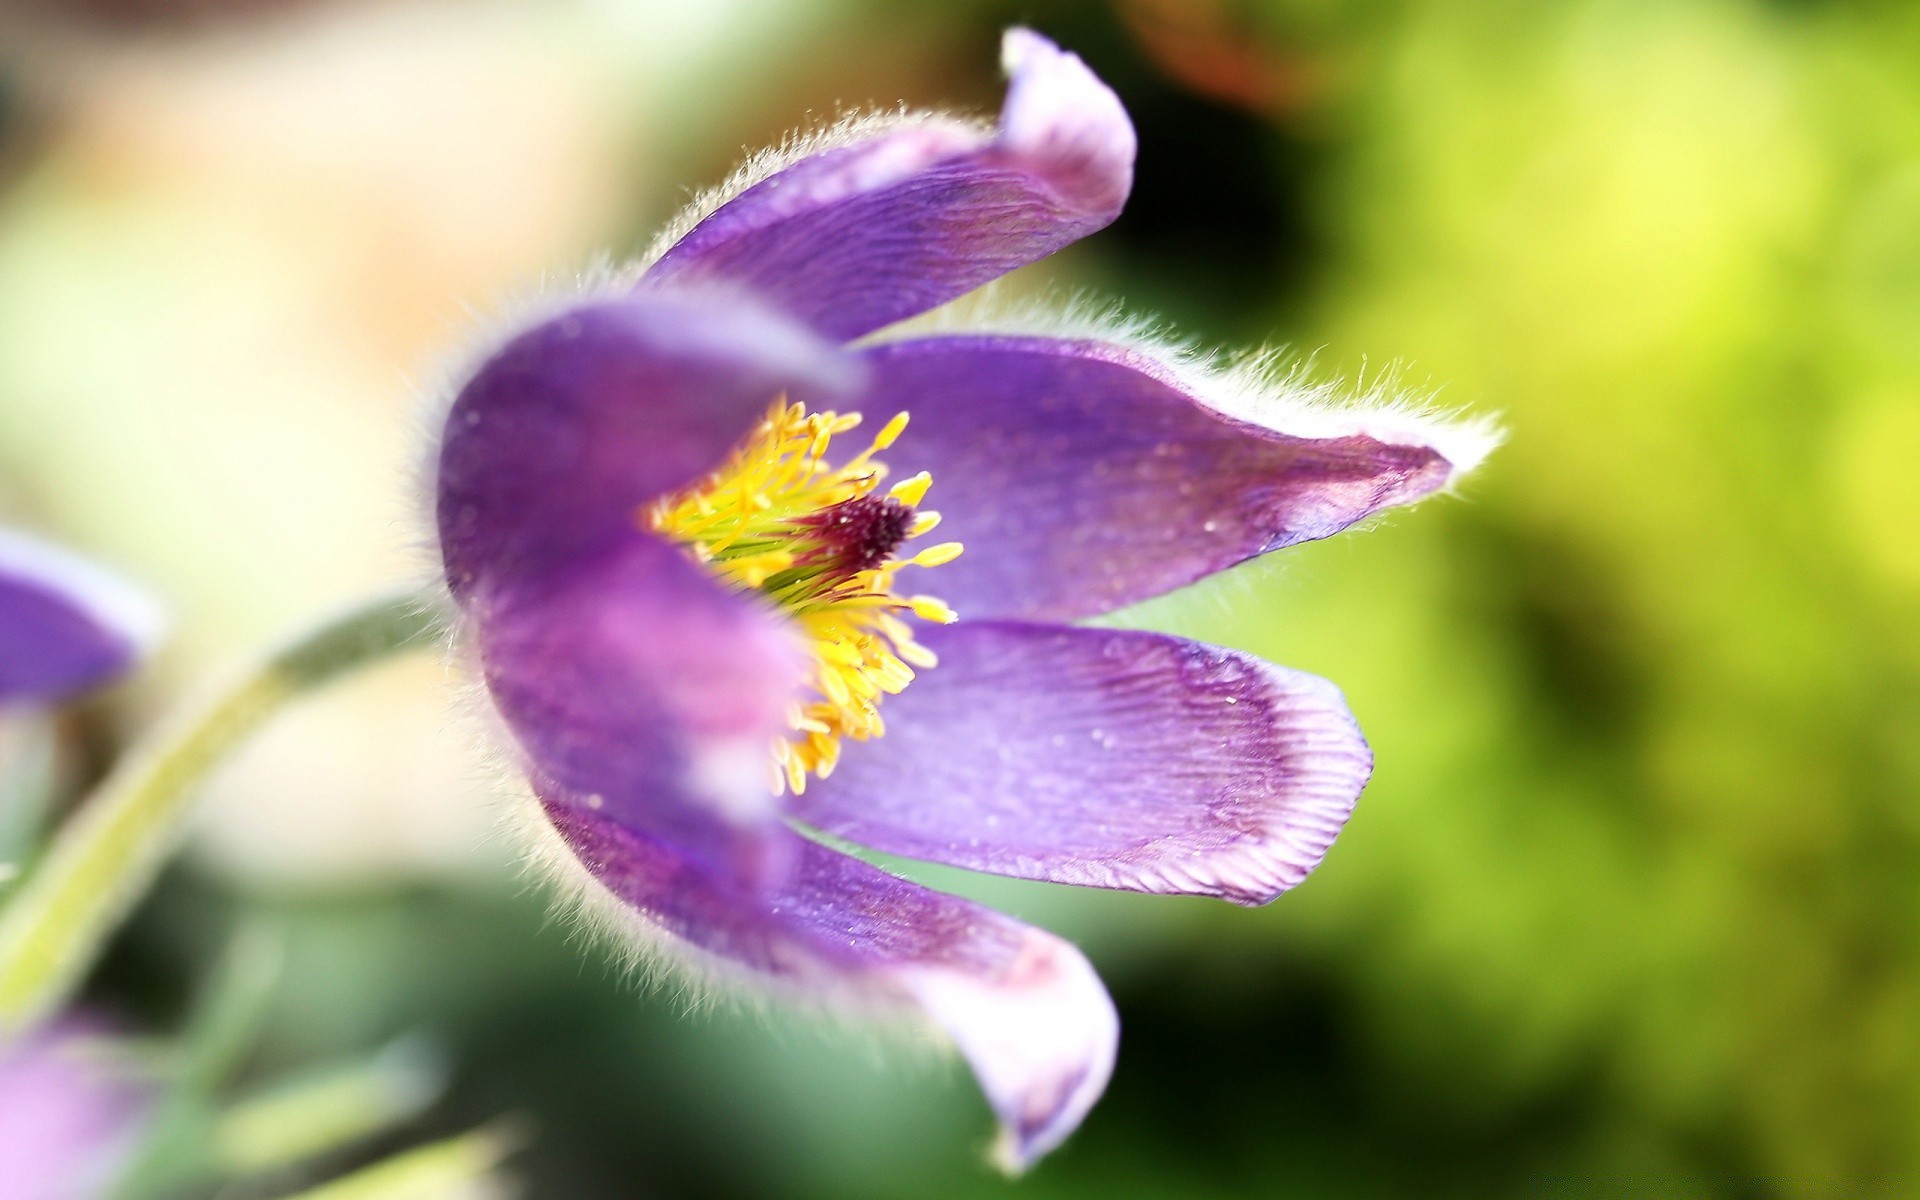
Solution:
(823, 543)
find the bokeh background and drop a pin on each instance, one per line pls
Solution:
(1631, 907)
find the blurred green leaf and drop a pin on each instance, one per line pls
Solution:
(297, 1119)
(178, 1148)
(460, 1168)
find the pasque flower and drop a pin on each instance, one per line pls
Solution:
(720, 642)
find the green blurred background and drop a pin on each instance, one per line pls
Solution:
(1630, 907)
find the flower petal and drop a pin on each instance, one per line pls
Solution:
(69, 1112)
(66, 624)
(559, 438)
(856, 235)
(642, 686)
(1023, 1006)
(1084, 475)
(1106, 758)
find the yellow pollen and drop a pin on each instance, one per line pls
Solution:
(762, 523)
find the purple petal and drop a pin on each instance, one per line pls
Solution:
(649, 691)
(1023, 1006)
(857, 236)
(1103, 757)
(69, 1112)
(66, 625)
(1084, 476)
(557, 441)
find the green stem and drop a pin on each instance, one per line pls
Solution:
(108, 854)
(26, 789)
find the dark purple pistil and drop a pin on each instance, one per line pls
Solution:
(859, 534)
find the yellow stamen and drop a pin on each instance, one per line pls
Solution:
(934, 556)
(911, 490)
(892, 431)
(932, 608)
(778, 519)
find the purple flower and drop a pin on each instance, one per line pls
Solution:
(71, 1108)
(703, 627)
(66, 625)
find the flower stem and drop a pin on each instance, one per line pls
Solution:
(107, 856)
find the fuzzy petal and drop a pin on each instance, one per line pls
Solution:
(859, 235)
(1023, 1006)
(555, 443)
(1084, 476)
(648, 690)
(1106, 758)
(66, 625)
(70, 1108)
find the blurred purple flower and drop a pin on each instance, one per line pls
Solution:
(66, 625)
(673, 593)
(71, 1108)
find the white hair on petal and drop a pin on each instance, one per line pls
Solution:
(699, 982)
(1278, 391)
(483, 332)
(848, 129)
(478, 334)
(480, 330)
(889, 1031)
(1268, 387)
(648, 955)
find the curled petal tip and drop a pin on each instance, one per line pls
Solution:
(67, 624)
(875, 221)
(1466, 443)
(1041, 1038)
(1061, 118)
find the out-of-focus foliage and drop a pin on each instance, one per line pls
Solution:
(1631, 904)
(1655, 820)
